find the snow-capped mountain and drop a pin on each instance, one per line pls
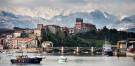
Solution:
(124, 24)
(43, 12)
(28, 18)
(10, 20)
(130, 30)
(95, 17)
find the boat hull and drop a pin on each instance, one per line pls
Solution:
(62, 59)
(108, 53)
(27, 60)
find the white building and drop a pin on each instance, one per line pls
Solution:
(47, 44)
(17, 33)
(23, 43)
(71, 30)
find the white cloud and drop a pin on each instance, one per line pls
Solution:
(121, 25)
(121, 8)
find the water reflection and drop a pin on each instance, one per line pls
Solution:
(134, 58)
(79, 59)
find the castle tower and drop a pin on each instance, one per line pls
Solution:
(38, 31)
(79, 23)
(39, 26)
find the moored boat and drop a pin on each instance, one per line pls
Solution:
(26, 59)
(62, 59)
(107, 51)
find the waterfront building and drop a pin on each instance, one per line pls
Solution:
(122, 45)
(131, 44)
(47, 44)
(126, 45)
(17, 43)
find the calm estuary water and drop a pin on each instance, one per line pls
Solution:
(73, 60)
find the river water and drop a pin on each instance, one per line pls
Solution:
(73, 60)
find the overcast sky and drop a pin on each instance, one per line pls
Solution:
(125, 7)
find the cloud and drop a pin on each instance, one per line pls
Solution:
(43, 3)
(121, 8)
(67, 3)
(26, 3)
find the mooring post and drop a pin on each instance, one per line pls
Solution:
(93, 49)
(78, 50)
(62, 49)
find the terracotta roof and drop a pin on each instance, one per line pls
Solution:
(71, 28)
(1, 38)
(21, 39)
(18, 31)
(1, 45)
(53, 25)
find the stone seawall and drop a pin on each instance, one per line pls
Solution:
(130, 54)
(33, 49)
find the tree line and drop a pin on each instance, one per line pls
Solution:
(88, 39)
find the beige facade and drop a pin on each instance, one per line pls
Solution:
(39, 26)
(38, 30)
(54, 29)
(22, 43)
(47, 44)
(17, 33)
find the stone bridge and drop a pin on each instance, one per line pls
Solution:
(73, 49)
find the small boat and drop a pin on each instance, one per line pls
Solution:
(4, 51)
(107, 51)
(26, 59)
(62, 59)
(19, 51)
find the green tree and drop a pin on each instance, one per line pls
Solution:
(24, 35)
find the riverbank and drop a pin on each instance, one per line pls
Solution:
(129, 54)
(73, 60)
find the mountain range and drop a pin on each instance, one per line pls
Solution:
(13, 18)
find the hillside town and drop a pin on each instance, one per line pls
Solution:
(14, 40)
(67, 32)
(81, 35)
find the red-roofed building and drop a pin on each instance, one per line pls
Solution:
(23, 43)
(81, 27)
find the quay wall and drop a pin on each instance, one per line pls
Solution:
(33, 49)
